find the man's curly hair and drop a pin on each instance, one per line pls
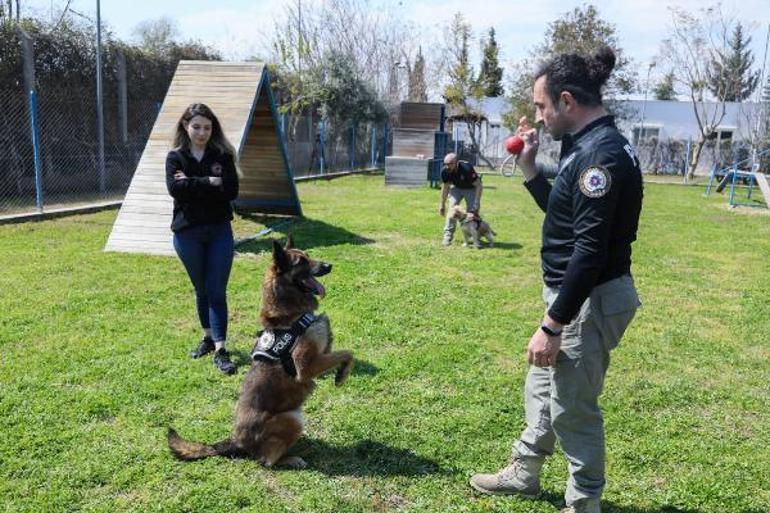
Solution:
(583, 77)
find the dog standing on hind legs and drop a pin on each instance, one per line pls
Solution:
(293, 349)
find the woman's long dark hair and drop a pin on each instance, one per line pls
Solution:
(218, 139)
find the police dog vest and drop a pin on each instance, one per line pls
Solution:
(275, 346)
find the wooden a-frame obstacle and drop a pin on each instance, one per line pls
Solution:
(240, 96)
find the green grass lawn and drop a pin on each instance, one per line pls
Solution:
(94, 365)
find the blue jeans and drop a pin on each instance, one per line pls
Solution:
(207, 254)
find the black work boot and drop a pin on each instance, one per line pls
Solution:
(222, 361)
(205, 347)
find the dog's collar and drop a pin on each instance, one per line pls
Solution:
(477, 220)
(275, 345)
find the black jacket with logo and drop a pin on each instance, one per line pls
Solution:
(463, 177)
(591, 214)
(196, 201)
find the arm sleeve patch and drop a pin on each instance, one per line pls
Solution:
(595, 181)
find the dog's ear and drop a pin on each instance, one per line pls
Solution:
(280, 258)
(289, 242)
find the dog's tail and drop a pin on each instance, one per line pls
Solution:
(187, 450)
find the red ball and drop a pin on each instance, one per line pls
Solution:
(514, 144)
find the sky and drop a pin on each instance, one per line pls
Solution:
(242, 28)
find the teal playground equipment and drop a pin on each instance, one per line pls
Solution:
(749, 174)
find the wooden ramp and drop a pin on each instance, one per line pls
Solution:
(764, 187)
(241, 97)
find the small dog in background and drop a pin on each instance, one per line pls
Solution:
(473, 228)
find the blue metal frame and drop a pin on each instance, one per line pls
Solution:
(34, 125)
(735, 174)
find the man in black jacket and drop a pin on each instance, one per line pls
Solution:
(591, 218)
(460, 181)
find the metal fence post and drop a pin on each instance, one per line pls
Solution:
(373, 135)
(352, 146)
(33, 121)
(384, 141)
(100, 100)
(122, 96)
(322, 144)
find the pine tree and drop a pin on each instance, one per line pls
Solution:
(461, 85)
(418, 89)
(730, 76)
(664, 90)
(491, 74)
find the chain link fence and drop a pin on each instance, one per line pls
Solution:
(58, 129)
(321, 147)
(671, 156)
(70, 175)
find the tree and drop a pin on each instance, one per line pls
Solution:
(418, 91)
(461, 85)
(462, 88)
(664, 89)
(345, 97)
(580, 31)
(156, 36)
(7, 13)
(491, 74)
(692, 41)
(766, 91)
(730, 75)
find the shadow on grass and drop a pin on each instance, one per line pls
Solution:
(240, 357)
(308, 233)
(609, 507)
(508, 245)
(364, 368)
(365, 458)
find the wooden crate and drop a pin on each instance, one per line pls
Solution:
(410, 142)
(425, 116)
(406, 171)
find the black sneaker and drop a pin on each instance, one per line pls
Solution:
(205, 347)
(222, 361)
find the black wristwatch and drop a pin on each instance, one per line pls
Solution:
(548, 331)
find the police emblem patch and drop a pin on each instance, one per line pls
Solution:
(595, 181)
(266, 341)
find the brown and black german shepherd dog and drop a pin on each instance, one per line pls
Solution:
(268, 416)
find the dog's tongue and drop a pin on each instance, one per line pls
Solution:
(316, 286)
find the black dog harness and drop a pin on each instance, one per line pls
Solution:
(477, 220)
(275, 346)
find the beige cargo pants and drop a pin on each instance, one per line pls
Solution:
(561, 402)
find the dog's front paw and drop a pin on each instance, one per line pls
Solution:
(343, 371)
